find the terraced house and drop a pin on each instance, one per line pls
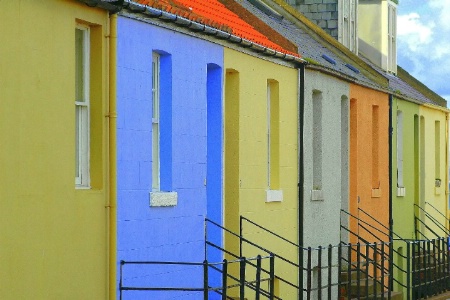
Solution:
(222, 149)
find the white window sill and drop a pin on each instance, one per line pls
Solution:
(317, 195)
(274, 195)
(163, 199)
(82, 187)
(401, 192)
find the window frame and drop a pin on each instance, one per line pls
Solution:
(82, 110)
(156, 121)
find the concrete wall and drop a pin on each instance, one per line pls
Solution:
(246, 152)
(192, 71)
(54, 236)
(322, 216)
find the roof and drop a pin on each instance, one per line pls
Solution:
(225, 15)
(315, 47)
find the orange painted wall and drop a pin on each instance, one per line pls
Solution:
(369, 161)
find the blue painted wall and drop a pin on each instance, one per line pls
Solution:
(167, 233)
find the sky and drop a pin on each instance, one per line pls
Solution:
(423, 42)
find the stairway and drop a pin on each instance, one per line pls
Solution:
(356, 284)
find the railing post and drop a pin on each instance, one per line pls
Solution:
(272, 277)
(349, 270)
(240, 236)
(375, 269)
(120, 279)
(408, 269)
(300, 272)
(319, 275)
(309, 270)
(224, 279)
(339, 270)
(330, 264)
(242, 278)
(205, 280)
(258, 276)
(382, 271)
(367, 270)
(358, 269)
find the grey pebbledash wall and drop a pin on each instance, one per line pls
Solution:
(323, 12)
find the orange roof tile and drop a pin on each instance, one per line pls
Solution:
(215, 14)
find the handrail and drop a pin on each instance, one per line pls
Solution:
(447, 219)
(427, 227)
(271, 232)
(359, 220)
(436, 222)
(381, 224)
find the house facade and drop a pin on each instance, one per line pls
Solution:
(55, 195)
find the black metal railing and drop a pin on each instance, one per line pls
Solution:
(429, 224)
(243, 283)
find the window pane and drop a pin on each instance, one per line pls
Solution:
(79, 65)
(77, 141)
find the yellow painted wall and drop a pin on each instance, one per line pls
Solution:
(53, 237)
(433, 199)
(246, 155)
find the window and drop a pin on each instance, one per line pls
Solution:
(400, 149)
(347, 24)
(392, 38)
(155, 122)
(437, 151)
(375, 147)
(82, 106)
(317, 140)
(273, 123)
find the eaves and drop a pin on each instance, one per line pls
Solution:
(347, 78)
(165, 19)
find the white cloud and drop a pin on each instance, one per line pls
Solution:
(424, 42)
(442, 7)
(413, 31)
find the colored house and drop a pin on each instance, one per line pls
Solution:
(169, 145)
(333, 79)
(55, 196)
(172, 134)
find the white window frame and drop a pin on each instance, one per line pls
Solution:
(156, 162)
(347, 29)
(82, 114)
(392, 38)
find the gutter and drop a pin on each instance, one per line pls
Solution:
(198, 27)
(111, 6)
(112, 117)
(301, 106)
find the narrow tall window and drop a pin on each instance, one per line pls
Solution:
(317, 140)
(400, 149)
(392, 38)
(375, 148)
(82, 106)
(273, 124)
(155, 122)
(347, 24)
(437, 149)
